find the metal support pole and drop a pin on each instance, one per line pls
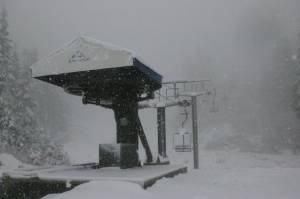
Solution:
(195, 132)
(175, 91)
(144, 142)
(161, 129)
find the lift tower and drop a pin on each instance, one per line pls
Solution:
(108, 76)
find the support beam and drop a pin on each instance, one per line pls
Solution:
(144, 142)
(195, 132)
(161, 129)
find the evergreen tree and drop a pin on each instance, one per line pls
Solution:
(51, 108)
(6, 80)
(282, 127)
(20, 133)
(296, 93)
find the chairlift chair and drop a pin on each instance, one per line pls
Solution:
(182, 140)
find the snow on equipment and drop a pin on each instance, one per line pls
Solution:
(108, 76)
(115, 78)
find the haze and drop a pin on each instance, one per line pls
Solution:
(232, 42)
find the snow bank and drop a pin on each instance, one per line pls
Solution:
(222, 174)
(9, 162)
(230, 159)
(258, 183)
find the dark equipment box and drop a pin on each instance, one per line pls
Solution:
(122, 155)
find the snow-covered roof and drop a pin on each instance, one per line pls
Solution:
(83, 54)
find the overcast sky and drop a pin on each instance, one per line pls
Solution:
(168, 34)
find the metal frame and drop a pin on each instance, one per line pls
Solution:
(184, 93)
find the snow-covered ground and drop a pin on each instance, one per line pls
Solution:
(222, 174)
(9, 162)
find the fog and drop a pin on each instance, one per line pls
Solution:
(233, 43)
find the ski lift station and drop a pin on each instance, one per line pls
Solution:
(115, 78)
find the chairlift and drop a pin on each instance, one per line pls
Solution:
(182, 140)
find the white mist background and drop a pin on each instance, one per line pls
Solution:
(231, 42)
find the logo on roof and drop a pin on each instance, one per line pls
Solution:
(78, 57)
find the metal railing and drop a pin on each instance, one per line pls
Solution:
(176, 91)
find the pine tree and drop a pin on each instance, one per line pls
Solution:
(20, 133)
(5, 80)
(296, 93)
(281, 123)
(31, 143)
(51, 108)
(45, 149)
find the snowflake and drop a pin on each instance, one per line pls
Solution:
(294, 57)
